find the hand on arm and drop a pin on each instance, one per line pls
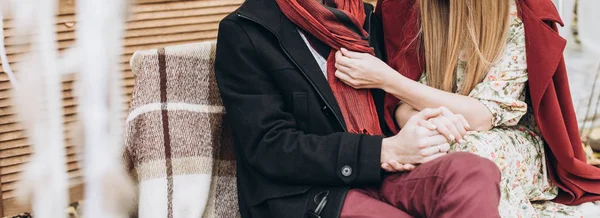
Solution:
(422, 96)
(452, 126)
(428, 125)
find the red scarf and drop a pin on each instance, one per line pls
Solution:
(548, 87)
(339, 25)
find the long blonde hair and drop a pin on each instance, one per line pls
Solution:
(448, 26)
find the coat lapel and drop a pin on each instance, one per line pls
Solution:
(268, 14)
(543, 44)
(294, 45)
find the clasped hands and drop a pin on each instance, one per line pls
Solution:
(426, 136)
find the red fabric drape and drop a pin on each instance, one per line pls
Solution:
(548, 87)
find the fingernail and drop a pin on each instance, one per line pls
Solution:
(452, 138)
(461, 141)
(467, 125)
(343, 49)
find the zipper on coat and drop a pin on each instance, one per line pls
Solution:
(299, 68)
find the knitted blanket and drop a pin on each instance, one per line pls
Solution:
(177, 147)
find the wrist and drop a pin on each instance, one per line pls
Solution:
(386, 145)
(391, 78)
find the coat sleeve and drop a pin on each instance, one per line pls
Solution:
(265, 133)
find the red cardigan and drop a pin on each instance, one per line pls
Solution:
(548, 88)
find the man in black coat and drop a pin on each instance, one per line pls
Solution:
(295, 157)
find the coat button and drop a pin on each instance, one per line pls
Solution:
(346, 171)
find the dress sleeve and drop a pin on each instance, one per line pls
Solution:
(502, 90)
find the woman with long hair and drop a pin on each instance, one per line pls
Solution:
(500, 65)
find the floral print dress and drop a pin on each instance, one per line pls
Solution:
(514, 142)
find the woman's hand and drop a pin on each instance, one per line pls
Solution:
(453, 126)
(414, 144)
(362, 70)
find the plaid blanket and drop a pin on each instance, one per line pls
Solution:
(177, 147)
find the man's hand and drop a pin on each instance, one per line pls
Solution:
(415, 144)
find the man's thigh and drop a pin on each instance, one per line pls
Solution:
(443, 185)
(365, 203)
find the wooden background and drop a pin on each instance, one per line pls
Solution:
(154, 23)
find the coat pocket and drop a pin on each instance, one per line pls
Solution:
(300, 109)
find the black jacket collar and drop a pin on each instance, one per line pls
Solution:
(264, 12)
(268, 14)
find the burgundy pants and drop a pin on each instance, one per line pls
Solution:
(456, 185)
